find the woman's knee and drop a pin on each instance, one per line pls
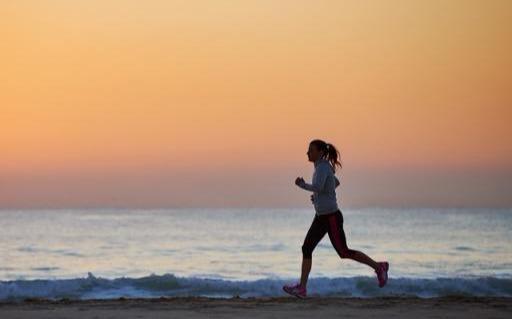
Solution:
(307, 251)
(347, 253)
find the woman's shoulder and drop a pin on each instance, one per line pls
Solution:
(325, 165)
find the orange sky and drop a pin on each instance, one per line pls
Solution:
(212, 103)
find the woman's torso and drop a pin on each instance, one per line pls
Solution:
(325, 199)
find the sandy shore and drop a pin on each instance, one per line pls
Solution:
(194, 307)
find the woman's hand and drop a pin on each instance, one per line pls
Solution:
(299, 181)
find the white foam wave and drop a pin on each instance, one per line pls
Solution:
(92, 287)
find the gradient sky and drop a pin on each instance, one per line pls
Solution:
(213, 103)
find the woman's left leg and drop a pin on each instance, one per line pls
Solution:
(314, 235)
(339, 241)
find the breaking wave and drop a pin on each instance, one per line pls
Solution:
(168, 285)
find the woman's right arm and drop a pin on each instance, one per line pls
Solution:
(318, 183)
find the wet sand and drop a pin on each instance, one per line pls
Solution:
(283, 307)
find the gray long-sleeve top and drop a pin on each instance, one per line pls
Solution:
(323, 186)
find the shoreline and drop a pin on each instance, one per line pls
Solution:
(260, 307)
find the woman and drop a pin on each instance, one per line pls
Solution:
(328, 217)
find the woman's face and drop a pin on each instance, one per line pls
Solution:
(313, 153)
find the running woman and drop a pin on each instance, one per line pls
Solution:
(328, 218)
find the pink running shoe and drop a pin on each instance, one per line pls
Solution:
(295, 290)
(382, 273)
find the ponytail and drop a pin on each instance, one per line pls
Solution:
(333, 155)
(330, 153)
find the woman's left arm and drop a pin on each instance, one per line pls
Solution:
(336, 181)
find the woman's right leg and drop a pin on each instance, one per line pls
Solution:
(339, 241)
(315, 233)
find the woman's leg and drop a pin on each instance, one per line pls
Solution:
(315, 233)
(339, 241)
(305, 270)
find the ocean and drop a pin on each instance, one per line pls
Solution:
(112, 253)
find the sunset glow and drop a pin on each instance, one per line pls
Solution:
(213, 103)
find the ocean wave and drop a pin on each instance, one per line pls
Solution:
(169, 285)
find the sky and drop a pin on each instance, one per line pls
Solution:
(213, 103)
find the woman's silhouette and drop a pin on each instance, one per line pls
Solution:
(328, 218)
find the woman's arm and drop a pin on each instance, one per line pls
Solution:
(318, 183)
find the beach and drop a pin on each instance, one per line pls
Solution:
(219, 159)
(282, 307)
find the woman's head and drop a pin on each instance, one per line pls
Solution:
(320, 149)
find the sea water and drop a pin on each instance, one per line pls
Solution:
(111, 253)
